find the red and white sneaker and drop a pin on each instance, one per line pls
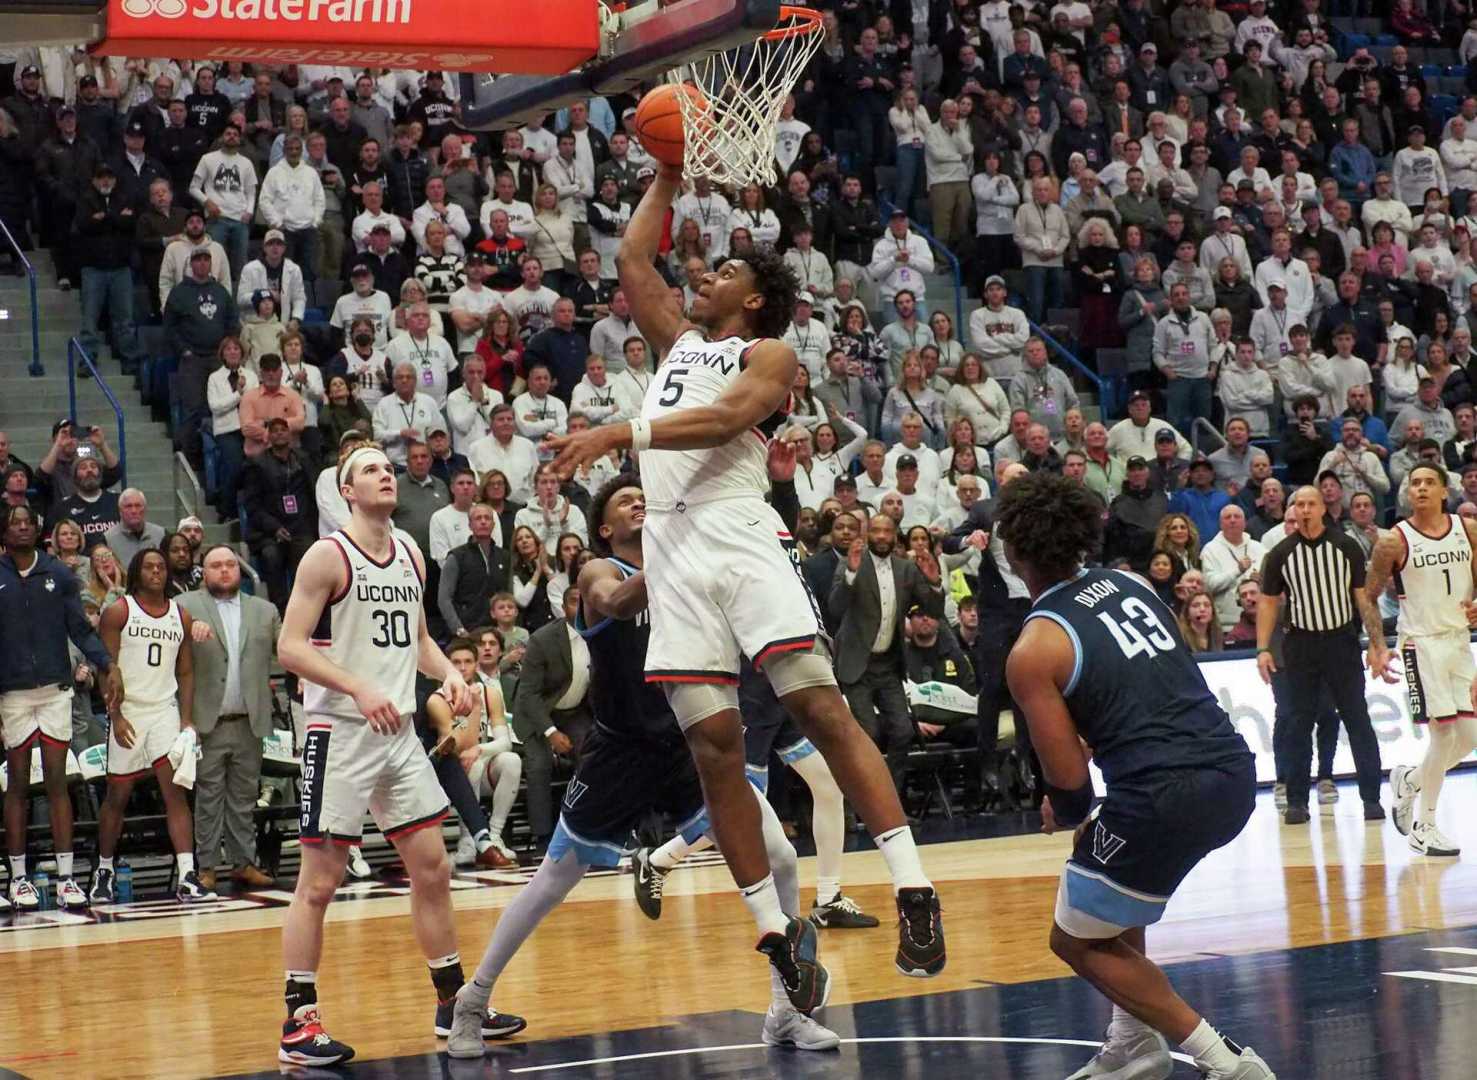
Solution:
(304, 1042)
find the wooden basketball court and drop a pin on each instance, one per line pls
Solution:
(1331, 949)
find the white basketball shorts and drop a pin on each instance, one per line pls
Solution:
(155, 727)
(1438, 676)
(722, 581)
(349, 768)
(43, 712)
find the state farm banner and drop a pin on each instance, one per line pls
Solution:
(542, 37)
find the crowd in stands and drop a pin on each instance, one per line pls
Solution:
(1254, 216)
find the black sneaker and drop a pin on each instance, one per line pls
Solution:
(842, 913)
(1373, 811)
(495, 1025)
(102, 886)
(191, 890)
(920, 933)
(304, 1042)
(793, 954)
(1296, 815)
(649, 881)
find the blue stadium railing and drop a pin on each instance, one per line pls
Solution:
(76, 352)
(36, 369)
(1108, 390)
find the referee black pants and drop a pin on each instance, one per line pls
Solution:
(1327, 663)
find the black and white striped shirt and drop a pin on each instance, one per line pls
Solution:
(1318, 577)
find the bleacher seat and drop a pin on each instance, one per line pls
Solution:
(1351, 43)
(1451, 84)
(1444, 107)
(1382, 53)
(1372, 27)
(1432, 71)
(1439, 55)
(1457, 70)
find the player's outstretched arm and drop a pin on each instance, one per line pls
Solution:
(762, 388)
(606, 594)
(1038, 667)
(321, 576)
(658, 316)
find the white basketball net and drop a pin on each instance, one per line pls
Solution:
(729, 132)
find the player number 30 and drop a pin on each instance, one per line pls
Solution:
(394, 629)
(1138, 631)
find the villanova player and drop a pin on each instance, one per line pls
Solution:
(722, 575)
(633, 761)
(1100, 663)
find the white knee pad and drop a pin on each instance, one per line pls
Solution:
(793, 671)
(694, 702)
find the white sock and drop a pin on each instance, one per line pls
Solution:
(105, 862)
(778, 999)
(1209, 1049)
(763, 902)
(64, 864)
(185, 860)
(901, 855)
(1125, 1024)
(17, 866)
(482, 841)
(671, 853)
(826, 890)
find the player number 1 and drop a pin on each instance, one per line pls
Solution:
(1447, 575)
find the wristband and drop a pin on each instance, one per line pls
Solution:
(1263, 649)
(640, 434)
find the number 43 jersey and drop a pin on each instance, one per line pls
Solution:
(1136, 694)
(370, 628)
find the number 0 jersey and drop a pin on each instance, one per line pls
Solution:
(1434, 580)
(147, 652)
(1136, 694)
(696, 372)
(371, 628)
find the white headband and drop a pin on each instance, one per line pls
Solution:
(349, 462)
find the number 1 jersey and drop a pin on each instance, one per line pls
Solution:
(1136, 694)
(371, 628)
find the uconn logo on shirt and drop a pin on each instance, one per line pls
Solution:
(153, 633)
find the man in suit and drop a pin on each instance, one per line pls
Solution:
(235, 642)
(840, 528)
(551, 710)
(871, 594)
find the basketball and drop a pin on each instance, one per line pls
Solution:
(659, 121)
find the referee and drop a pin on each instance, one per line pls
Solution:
(1320, 574)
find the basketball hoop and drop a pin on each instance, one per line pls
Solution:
(729, 128)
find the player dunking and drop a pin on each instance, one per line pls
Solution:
(633, 761)
(355, 632)
(722, 573)
(1099, 662)
(1430, 556)
(146, 633)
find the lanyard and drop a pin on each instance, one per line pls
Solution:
(408, 414)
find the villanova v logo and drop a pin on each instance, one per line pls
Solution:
(575, 792)
(1104, 844)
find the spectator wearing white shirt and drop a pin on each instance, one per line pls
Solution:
(223, 390)
(1282, 267)
(469, 407)
(472, 304)
(711, 211)
(918, 507)
(1459, 158)
(1224, 243)
(306, 380)
(405, 416)
(1434, 250)
(1357, 467)
(539, 141)
(1250, 169)
(900, 258)
(1417, 168)
(372, 195)
(629, 385)
(1227, 560)
(550, 515)
(574, 181)
(872, 482)
(429, 356)
(508, 453)
(1134, 435)
(450, 527)
(361, 363)
(520, 214)
(911, 444)
(752, 214)
(224, 185)
(537, 411)
(808, 337)
(293, 202)
(438, 207)
(275, 273)
(532, 303)
(175, 265)
(608, 337)
(594, 396)
(1385, 207)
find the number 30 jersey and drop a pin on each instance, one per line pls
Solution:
(1136, 694)
(370, 628)
(697, 372)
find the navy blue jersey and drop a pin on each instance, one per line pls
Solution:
(1136, 694)
(622, 699)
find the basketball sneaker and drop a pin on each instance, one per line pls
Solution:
(466, 851)
(102, 886)
(842, 913)
(648, 881)
(358, 864)
(495, 1025)
(304, 1042)
(920, 933)
(1279, 795)
(23, 895)
(1143, 1055)
(793, 954)
(467, 1025)
(1429, 840)
(70, 895)
(1248, 1067)
(788, 1026)
(191, 891)
(1404, 788)
(1328, 793)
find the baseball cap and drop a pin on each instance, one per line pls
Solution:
(1137, 462)
(360, 268)
(354, 434)
(1164, 434)
(844, 481)
(1148, 47)
(437, 428)
(65, 421)
(189, 521)
(103, 169)
(805, 298)
(65, 110)
(200, 253)
(135, 128)
(630, 111)
(380, 227)
(898, 211)
(1138, 395)
(87, 80)
(914, 610)
(1277, 283)
(30, 71)
(645, 172)
(260, 295)
(1220, 213)
(1422, 130)
(274, 235)
(994, 279)
(1201, 461)
(474, 257)
(1245, 185)
(907, 461)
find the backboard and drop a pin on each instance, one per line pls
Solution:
(640, 45)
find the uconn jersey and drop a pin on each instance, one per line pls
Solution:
(1434, 580)
(371, 628)
(695, 373)
(148, 650)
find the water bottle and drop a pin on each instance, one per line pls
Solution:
(123, 883)
(42, 880)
